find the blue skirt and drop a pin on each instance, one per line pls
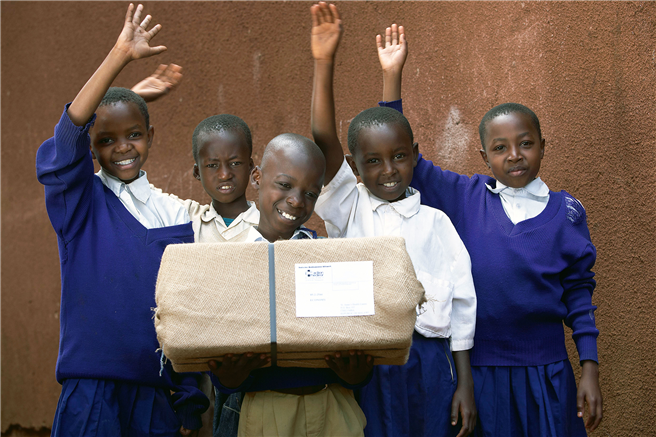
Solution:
(102, 408)
(535, 401)
(413, 399)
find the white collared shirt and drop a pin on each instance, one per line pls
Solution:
(523, 203)
(299, 234)
(209, 226)
(439, 256)
(145, 202)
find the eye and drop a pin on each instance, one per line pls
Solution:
(235, 164)
(399, 156)
(526, 144)
(104, 141)
(134, 135)
(372, 161)
(284, 185)
(212, 165)
(499, 148)
(312, 195)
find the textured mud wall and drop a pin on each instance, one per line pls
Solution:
(586, 68)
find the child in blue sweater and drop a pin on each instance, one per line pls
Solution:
(112, 229)
(531, 261)
(284, 401)
(425, 396)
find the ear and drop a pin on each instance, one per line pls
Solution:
(351, 163)
(542, 144)
(151, 134)
(415, 154)
(484, 156)
(196, 172)
(256, 175)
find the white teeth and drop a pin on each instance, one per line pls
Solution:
(287, 216)
(125, 162)
(390, 184)
(225, 187)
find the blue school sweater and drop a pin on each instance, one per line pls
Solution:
(109, 264)
(529, 277)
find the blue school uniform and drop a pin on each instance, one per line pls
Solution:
(529, 278)
(112, 380)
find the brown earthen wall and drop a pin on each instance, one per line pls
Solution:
(586, 68)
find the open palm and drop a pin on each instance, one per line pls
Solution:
(393, 53)
(134, 39)
(326, 31)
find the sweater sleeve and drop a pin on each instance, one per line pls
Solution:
(65, 167)
(578, 285)
(189, 402)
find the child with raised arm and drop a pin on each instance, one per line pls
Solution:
(531, 260)
(288, 401)
(425, 396)
(112, 229)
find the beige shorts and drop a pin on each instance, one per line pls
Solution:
(330, 412)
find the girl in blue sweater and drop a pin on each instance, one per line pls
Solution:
(112, 229)
(531, 261)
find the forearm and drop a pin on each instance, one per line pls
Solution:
(463, 368)
(392, 84)
(324, 129)
(87, 100)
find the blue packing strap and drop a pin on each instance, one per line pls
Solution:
(272, 306)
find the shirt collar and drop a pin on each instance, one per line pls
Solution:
(406, 207)
(250, 215)
(536, 187)
(139, 188)
(299, 234)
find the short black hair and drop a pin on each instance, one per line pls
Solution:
(220, 123)
(504, 109)
(377, 116)
(124, 95)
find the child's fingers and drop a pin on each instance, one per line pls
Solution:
(395, 34)
(144, 23)
(154, 31)
(157, 50)
(379, 42)
(454, 412)
(128, 14)
(314, 10)
(137, 15)
(388, 37)
(161, 71)
(325, 13)
(334, 11)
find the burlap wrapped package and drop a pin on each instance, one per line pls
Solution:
(213, 299)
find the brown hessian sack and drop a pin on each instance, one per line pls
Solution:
(213, 299)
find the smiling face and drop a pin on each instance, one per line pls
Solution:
(288, 183)
(224, 167)
(513, 149)
(385, 159)
(120, 140)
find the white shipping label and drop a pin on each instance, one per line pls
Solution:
(335, 289)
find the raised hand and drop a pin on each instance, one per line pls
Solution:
(326, 31)
(134, 40)
(393, 53)
(160, 83)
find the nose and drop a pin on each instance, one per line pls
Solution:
(514, 153)
(124, 146)
(388, 168)
(224, 172)
(295, 200)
